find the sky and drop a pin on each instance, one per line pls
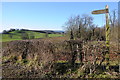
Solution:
(49, 15)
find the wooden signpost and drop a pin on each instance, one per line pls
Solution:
(105, 11)
(100, 11)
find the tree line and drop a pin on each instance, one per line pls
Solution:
(83, 27)
(23, 35)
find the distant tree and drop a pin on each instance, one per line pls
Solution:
(11, 30)
(46, 34)
(5, 32)
(114, 25)
(17, 29)
(79, 27)
(24, 30)
(113, 18)
(24, 36)
(32, 36)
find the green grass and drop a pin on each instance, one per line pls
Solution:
(55, 35)
(17, 36)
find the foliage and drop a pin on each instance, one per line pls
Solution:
(31, 36)
(24, 36)
(5, 32)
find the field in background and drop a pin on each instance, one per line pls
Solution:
(17, 36)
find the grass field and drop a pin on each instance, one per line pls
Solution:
(17, 36)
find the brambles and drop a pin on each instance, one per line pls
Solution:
(53, 58)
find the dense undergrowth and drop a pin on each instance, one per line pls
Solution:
(52, 59)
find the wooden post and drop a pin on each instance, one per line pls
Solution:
(107, 39)
(107, 30)
(106, 11)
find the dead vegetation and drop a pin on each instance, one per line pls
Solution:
(38, 54)
(54, 58)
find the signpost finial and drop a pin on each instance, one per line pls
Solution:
(106, 7)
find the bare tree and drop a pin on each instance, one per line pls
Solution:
(113, 18)
(79, 26)
(114, 36)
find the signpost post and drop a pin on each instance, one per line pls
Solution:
(105, 11)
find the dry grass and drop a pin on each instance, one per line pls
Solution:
(37, 58)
